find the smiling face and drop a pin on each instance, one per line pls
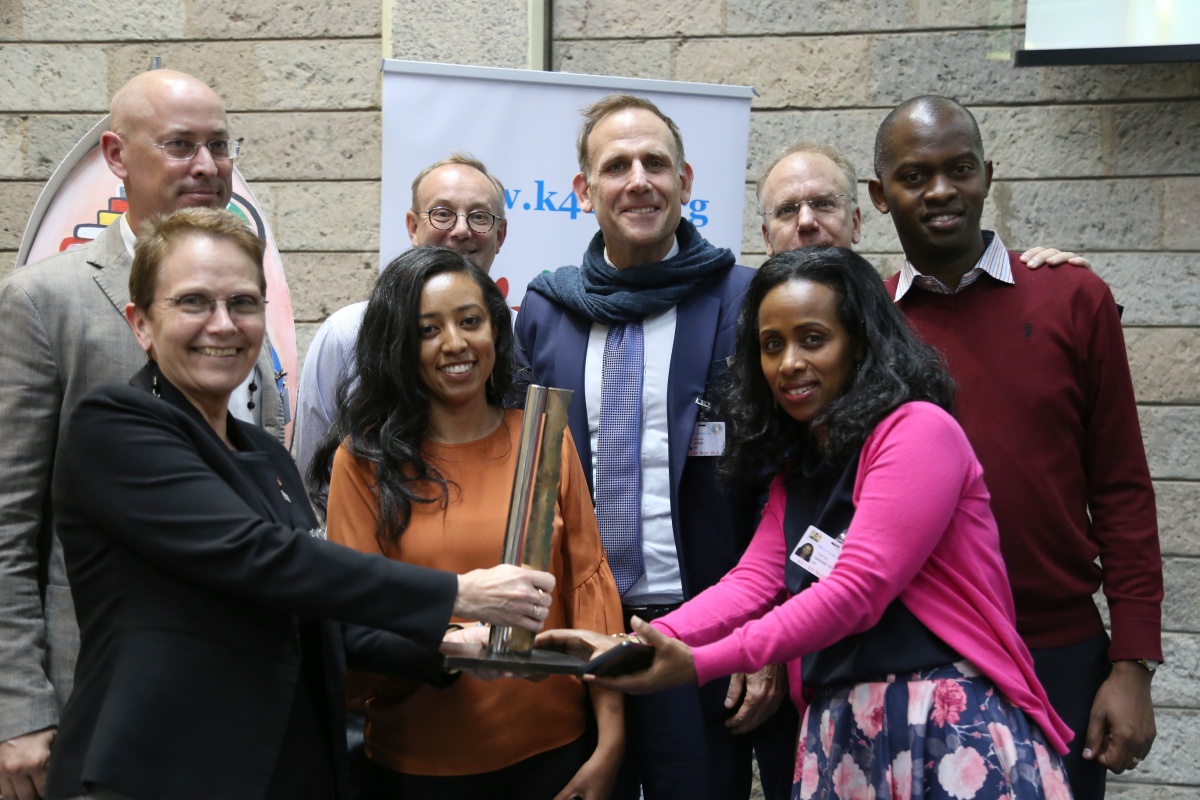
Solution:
(934, 185)
(205, 356)
(153, 108)
(635, 185)
(806, 353)
(458, 349)
(805, 176)
(462, 189)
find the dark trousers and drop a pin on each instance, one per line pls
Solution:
(538, 777)
(1072, 675)
(678, 748)
(775, 750)
(356, 756)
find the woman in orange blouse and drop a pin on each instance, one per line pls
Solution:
(423, 474)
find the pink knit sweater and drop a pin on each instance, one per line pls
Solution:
(922, 531)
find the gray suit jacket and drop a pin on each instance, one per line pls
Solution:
(62, 333)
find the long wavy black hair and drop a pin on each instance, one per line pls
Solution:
(383, 409)
(893, 367)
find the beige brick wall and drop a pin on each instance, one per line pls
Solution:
(1100, 159)
(301, 82)
(1103, 160)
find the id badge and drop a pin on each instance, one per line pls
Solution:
(708, 439)
(816, 552)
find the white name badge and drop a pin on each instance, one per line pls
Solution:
(817, 551)
(708, 439)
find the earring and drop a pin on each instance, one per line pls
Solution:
(492, 381)
(154, 388)
(250, 405)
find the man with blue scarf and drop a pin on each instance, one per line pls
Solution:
(641, 331)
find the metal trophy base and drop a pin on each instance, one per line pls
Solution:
(460, 655)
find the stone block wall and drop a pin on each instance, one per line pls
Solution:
(1101, 160)
(300, 80)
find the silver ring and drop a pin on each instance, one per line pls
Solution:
(537, 611)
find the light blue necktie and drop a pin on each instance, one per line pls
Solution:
(618, 456)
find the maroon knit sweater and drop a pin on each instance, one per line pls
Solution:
(1046, 400)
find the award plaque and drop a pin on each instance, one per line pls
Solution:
(527, 538)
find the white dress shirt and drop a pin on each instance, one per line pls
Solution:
(661, 584)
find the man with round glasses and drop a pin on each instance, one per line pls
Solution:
(456, 204)
(445, 219)
(63, 330)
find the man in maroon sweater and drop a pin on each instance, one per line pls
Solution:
(1046, 399)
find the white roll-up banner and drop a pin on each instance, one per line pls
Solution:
(522, 124)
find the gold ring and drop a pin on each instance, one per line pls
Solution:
(540, 597)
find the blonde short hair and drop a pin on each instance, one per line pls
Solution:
(159, 236)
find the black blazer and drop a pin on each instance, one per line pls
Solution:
(191, 592)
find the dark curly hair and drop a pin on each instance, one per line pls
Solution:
(894, 367)
(383, 408)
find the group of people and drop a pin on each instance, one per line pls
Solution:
(807, 483)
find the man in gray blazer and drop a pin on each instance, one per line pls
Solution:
(63, 332)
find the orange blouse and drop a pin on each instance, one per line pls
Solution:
(475, 726)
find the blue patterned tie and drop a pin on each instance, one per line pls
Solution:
(618, 456)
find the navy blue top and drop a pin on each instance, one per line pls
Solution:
(821, 493)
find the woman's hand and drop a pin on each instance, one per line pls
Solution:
(583, 644)
(597, 776)
(471, 634)
(594, 780)
(505, 595)
(478, 635)
(672, 665)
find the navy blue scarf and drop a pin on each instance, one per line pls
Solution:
(612, 296)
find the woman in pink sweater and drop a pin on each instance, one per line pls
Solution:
(876, 571)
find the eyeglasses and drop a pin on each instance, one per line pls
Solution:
(238, 306)
(446, 218)
(183, 150)
(823, 204)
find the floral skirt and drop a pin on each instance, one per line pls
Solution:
(941, 734)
